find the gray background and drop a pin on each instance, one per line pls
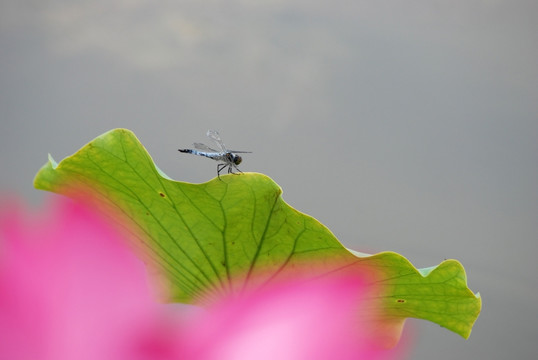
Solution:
(401, 125)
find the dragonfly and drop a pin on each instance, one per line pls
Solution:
(227, 158)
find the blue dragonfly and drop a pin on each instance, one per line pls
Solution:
(226, 158)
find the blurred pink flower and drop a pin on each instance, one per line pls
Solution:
(71, 289)
(314, 320)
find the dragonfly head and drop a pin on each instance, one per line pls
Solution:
(236, 159)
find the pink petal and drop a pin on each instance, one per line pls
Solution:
(293, 320)
(70, 289)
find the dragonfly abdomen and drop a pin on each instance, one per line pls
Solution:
(214, 156)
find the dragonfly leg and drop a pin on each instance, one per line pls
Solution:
(219, 169)
(236, 168)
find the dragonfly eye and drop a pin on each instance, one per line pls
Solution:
(237, 159)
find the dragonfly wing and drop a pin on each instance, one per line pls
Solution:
(214, 135)
(204, 147)
(240, 152)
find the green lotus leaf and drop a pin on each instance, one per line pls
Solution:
(230, 234)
